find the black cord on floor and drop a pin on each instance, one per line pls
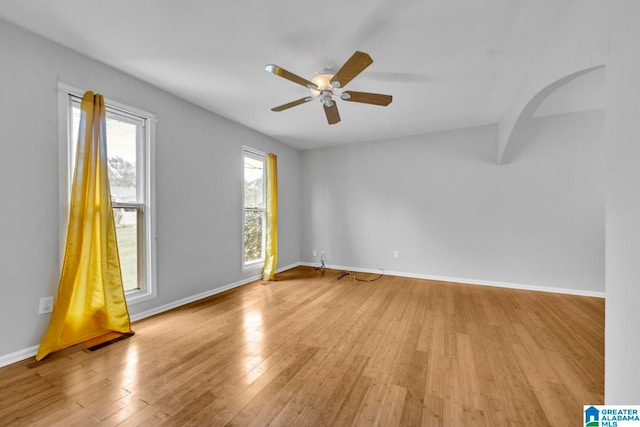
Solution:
(344, 273)
(358, 279)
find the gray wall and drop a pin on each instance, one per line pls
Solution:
(199, 179)
(443, 203)
(622, 347)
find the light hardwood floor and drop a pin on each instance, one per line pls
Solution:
(311, 350)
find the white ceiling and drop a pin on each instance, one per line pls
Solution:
(447, 63)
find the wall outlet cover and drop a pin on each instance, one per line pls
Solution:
(46, 305)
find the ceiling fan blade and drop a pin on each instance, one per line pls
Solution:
(366, 98)
(331, 112)
(278, 71)
(293, 103)
(354, 66)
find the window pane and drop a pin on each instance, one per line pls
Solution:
(253, 183)
(126, 220)
(128, 140)
(75, 128)
(253, 235)
(122, 137)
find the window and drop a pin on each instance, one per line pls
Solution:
(254, 212)
(129, 154)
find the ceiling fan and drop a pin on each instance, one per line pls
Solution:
(325, 86)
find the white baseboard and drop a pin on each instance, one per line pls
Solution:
(8, 359)
(187, 300)
(579, 292)
(17, 356)
(193, 298)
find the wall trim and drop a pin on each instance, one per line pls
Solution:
(17, 356)
(193, 298)
(519, 286)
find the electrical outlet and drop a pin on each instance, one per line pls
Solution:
(315, 253)
(46, 305)
(396, 254)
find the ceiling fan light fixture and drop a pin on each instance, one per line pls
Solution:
(322, 82)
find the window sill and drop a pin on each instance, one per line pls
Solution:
(256, 265)
(138, 297)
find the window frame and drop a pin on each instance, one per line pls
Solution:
(146, 242)
(257, 155)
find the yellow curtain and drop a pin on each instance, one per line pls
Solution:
(271, 249)
(90, 301)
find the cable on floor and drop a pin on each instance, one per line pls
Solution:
(321, 266)
(358, 279)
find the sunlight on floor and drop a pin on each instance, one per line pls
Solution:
(130, 373)
(253, 343)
